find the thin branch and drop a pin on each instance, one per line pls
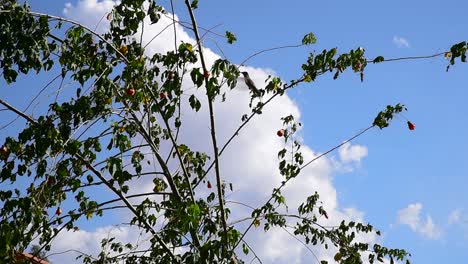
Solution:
(267, 50)
(213, 128)
(337, 146)
(16, 111)
(411, 58)
(253, 252)
(304, 244)
(174, 27)
(70, 250)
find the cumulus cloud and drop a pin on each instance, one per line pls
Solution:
(251, 162)
(454, 217)
(70, 244)
(91, 12)
(352, 153)
(411, 216)
(401, 42)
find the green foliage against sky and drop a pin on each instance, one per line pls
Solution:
(114, 128)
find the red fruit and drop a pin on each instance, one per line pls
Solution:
(209, 185)
(206, 74)
(50, 181)
(4, 153)
(163, 95)
(58, 211)
(280, 133)
(411, 126)
(131, 92)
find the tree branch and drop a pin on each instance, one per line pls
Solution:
(212, 125)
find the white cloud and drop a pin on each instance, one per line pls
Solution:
(250, 162)
(90, 242)
(349, 153)
(411, 216)
(454, 217)
(91, 12)
(401, 42)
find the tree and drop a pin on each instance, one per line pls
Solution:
(131, 103)
(36, 251)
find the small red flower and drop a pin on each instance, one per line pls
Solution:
(163, 95)
(59, 211)
(411, 126)
(131, 92)
(280, 133)
(209, 185)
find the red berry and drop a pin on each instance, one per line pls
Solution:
(131, 92)
(4, 153)
(280, 133)
(411, 126)
(51, 181)
(58, 211)
(163, 95)
(209, 185)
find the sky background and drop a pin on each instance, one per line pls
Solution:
(409, 184)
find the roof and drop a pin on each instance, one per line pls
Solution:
(28, 257)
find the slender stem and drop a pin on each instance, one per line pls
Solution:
(212, 125)
(412, 57)
(337, 146)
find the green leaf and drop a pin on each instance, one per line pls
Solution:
(245, 249)
(309, 39)
(197, 76)
(194, 103)
(230, 37)
(378, 59)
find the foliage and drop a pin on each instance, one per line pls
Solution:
(90, 141)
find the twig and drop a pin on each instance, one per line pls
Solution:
(213, 131)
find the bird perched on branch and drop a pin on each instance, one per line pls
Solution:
(251, 85)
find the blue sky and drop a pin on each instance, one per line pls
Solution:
(408, 179)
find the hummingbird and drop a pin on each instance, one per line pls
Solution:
(251, 85)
